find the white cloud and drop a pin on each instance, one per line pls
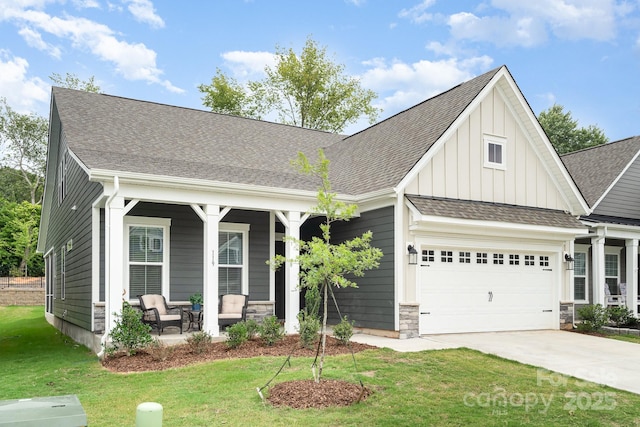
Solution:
(417, 13)
(86, 4)
(34, 39)
(23, 93)
(413, 83)
(356, 2)
(246, 64)
(143, 11)
(134, 61)
(528, 23)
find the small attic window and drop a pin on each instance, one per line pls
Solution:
(495, 151)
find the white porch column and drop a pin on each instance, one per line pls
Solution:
(632, 275)
(291, 288)
(567, 294)
(114, 268)
(210, 273)
(597, 251)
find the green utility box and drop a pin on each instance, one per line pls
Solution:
(54, 411)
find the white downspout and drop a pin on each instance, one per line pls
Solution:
(107, 276)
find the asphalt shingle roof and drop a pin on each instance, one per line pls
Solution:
(120, 134)
(380, 156)
(485, 211)
(594, 169)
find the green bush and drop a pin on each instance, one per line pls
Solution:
(238, 334)
(270, 330)
(199, 342)
(252, 328)
(129, 334)
(621, 316)
(343, 331)
(308, 328)
(594, 317)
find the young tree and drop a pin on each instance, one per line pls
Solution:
(306, 90)
(324, 264)
(71, 81)
(564, 133)
(24, 139)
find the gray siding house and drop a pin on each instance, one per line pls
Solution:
(606, 261)
(148, 198)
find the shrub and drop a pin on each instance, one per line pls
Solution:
(129, 334)
(199, 341)
(159, 351)
(594, 317)
(343, 331)
(270, 330)
(308, 328)
(252, 328)
(238, 334)
(620, 315)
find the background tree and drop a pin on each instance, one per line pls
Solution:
(71, 81)
(324, 264)
(564, 133)
(306, 90)
(19, 224)
(24, 140)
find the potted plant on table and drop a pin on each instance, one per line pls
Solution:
(196, 301)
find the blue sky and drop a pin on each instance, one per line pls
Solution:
(582, 54)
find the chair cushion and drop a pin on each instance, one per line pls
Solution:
(230, 316)
(232, 304)
(167, 317)
(155, 301)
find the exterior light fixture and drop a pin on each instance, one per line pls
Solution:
(413, 255)
(569, 260)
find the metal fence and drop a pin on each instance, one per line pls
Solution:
(22, 282)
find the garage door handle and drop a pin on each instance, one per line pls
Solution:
(490, 296)
(547, 311)
(425, 312)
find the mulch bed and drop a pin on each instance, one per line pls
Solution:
(295, 394)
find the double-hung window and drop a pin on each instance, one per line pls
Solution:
(147, 252)
(580, 290)
(233, 254)
(611, 272)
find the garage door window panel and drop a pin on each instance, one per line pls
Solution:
(481, 258)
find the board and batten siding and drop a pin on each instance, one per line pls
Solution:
(622, 201)
(457, 170)
(70, 223)
(371, 304)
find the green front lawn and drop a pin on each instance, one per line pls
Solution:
(447, 387)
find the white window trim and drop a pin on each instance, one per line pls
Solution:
(497, 140)
(612, 250)
(244, 229)
(585, 250)
(140, 221)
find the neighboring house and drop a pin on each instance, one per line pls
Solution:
(607, 259)
(148, 198)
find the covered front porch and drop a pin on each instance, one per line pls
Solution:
(180, 241)
(606, 264)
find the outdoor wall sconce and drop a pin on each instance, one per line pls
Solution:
(569, 260)
(413, 255)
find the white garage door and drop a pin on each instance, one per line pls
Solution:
(467, 290)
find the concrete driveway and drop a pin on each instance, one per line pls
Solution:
(600, 360)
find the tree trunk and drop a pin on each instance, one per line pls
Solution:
(324, 332)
